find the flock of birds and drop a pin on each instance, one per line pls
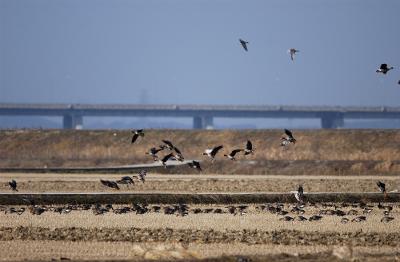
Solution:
(355, 212)
(383, 68)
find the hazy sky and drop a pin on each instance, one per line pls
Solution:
(187, 52)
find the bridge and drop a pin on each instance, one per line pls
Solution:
(203, 115)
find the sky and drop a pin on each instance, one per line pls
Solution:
(188, 52)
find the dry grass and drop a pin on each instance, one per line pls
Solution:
(367, 150)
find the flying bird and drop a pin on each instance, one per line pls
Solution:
(168, 144)
(111, 184)
(243, 43)
(126, 180)
(292, 52)
(212, 152)
(249, 148)
(195, 164)
(166, 158)
(232, 154)
(153, 152)
(285, 141)
(13, 185)
(384, 69)
(136, 134)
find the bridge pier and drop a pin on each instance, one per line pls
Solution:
(332, 120)
(72, 122)
(203, 122)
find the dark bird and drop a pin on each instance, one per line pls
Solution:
(142, 175)
(111, 184)
(382, 188)
(299, 194)
(126, 180)
(232, 154)
(243, 43)
(13, 185)
(169, 145)
(292, 52)
(249, 148)
(136, 134)
(166, 158)
(398, 82)
(212, 152)
(384, 69)
(195, 164)
(153, 152)
(285, 141)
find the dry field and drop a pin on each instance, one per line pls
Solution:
(321, 161)
(41, 183)
(255, 233)
(318, 152)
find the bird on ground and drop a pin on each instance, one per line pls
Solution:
(13, 185)
(153, 152)
(243, 43)
(111, 184)
(384, 69)
(249, 148)
(292, 52)
(232, 154)
(212, 152)
(382, 188)
(285, 141)
(142, 175)
(166, 158)
(126, 180)
(136, 134)
(195, 164)
(299, 194)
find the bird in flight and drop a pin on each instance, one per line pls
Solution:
(126, 180)
(212, 152)
(285, 141)
(195, 164)
(232, 154)
(136, 134)
(384, 69)
(166, 158)
(153, 152)
(111, 184)
(292, 52)
(243, 43)
(249, 148)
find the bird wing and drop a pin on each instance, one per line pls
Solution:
(288, 133)
(177, 150)
(215, 150)
(249, 146)
(105, 182)
(134, 137)
(383, 66)
(168, 143)
(235, 151)
(165, 158)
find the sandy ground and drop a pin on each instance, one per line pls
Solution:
(31, 182)
(82, 235)
(256, 234)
